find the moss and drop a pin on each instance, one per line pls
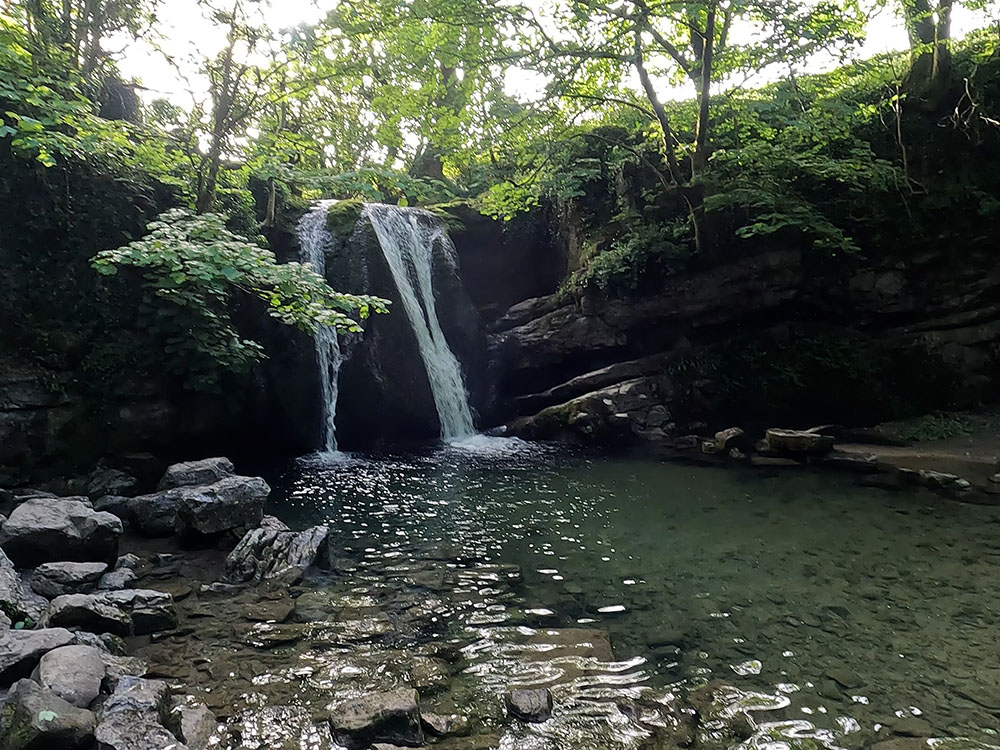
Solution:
(343, 216)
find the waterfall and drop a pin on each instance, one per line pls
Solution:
(407, 239)
(315, 238)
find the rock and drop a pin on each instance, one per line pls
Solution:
(909, 743)
(773, 462)
(21, 650)
(104, 481)
(129, 562)
(151, 611)
(33, 718)
(533, 706)
(723, 442)
(666, 637)
(44, 530)
(88, 611)
(58, 578)
(231, 503)
(123, 732)
(74, 673)
(13, 598)
(196, 473)
(139, 697)
(392, 717)
(195, 723)
(799, 442)
(155, 514)
(845, 678)
(117, 580)
(441, 725)
(270, 554)
(913, 727)
(122, 613)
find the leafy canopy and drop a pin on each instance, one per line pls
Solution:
(195, 268)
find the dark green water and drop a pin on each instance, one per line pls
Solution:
(837, 614)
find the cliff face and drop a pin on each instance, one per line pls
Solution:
(780, 335)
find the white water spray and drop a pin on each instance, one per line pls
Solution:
(407, 239)
(315, 239)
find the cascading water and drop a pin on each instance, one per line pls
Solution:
(315, 239)
(407, 239)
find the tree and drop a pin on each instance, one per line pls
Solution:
(590, 46)
(77, 31)
(193, 268)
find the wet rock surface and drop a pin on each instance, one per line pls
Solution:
(41, 530)
(534, 706)
(33, 718)
(276, 554)
(55, 579)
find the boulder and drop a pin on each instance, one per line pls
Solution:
(133, 717)
(21, 650)
(724, 440)
(122, 613)
(392, 717)
(124, 732)
(105, 481)
(229, 504)
(196, 473)
(44, 530)
(151, 611)
(58, 578)
(13, 598)
(117, 580)
(91, 612)
(155, 514)
(533, 706)
(195, 724)
(33, 718)
(270, 554)
(799, 442)
(445, 725)
(74, 673)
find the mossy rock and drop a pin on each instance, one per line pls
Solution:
(343, 216)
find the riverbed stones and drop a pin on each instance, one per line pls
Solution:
(445, 725)
(58, 578)
(122, 613)
(155, 514)
(74, 673)
(230, 504)
(21, 650)
(196, 473)
(42, 530)
(531, 705)
(272, 554)
(392, 717)
(34, 718)
(117, 580)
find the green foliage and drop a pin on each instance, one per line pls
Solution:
(192, 267)
(937, 426)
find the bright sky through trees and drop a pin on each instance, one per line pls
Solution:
(187, 33)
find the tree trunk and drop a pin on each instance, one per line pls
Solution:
(706, 47)
(928, 25)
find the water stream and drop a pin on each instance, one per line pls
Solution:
(408, 237)
(821, 614)
(315, 239)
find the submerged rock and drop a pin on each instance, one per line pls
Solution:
(42, 530)
(33, 718)
(21, 650)
(74, 673)
(58, 578)
(269, 553)
(533, 706)
(196, 473)
(392, 718)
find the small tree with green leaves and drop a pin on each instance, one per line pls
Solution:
(194, 269)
